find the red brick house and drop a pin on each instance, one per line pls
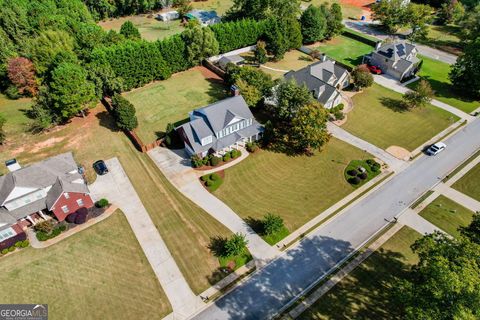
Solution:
(27, 195)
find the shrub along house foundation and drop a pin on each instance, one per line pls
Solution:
(28, 195)
(219, 127)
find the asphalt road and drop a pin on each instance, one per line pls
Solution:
(272, 287)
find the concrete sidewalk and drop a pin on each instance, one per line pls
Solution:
(177, 169)
(339, 133)
(117, 188)
(459, 197)
(412, 219)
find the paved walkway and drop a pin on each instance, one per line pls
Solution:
(177, 169)
(339, 133)
(117, 188)
(364, 27)
(412, 219)
(459, 197)
(463, 171)
(393, 84)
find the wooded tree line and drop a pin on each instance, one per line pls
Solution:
(102, 9)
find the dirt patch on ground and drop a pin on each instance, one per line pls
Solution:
(399, 152)
(365, 5)
(208, 74)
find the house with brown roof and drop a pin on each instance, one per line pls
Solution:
(28, 194)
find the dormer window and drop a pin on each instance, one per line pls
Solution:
(206, 140)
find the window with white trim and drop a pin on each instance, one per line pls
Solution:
(7, 233)
(80, 202)
(65, 209)
(67, 196)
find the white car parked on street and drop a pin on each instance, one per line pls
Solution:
(436, 148)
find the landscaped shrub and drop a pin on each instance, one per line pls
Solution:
(226, 157)
(25, 243)
(197, 162)
(215, 177)
(4, 251)
(210, 183)
(81, 217)
(11, 249)
(205, 160)
(215, 161)
(363, 175)
(71, 217)
(18, 244)
(354, 180)
(339, 115)
(45, 226)
(235, 153)
(205, 177)
(370, 162)
(376, 167)
(252, 147)
(42, 236)
(102, 203)
(352, 172)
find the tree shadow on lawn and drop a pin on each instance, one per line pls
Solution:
(393, 104)
(444, 90)
(367, 293)
(106, 120)
(217, 90)
(256, 225)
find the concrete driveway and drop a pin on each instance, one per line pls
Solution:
(117, 188)
(176, 167)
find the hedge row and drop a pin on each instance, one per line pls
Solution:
(359, 37)
(238, 34)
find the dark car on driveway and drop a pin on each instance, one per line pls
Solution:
(100, 167)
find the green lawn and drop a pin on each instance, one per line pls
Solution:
(150, 28)
(293, 60)
(99, 273)
(171, 100)
(354, 165)
(13, 110)
(470, 183)
(377, 119)
(365, 293)
(436, 73)
(447, 215)
(346, 50)
(295, 188)
(348, 10)
(185, 228)
(444, 38)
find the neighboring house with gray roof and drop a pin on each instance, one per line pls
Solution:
(235, 59)
(219, 127)
(397, 59)
(205, 18)
(323, 79)
(52, 186)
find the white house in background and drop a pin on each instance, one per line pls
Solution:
(397, 59)
(205, 18)
(219, 127)
(324, 79)
(168, 16)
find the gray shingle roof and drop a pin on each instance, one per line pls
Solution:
(215, 118)
(316, 76)
(396, 50)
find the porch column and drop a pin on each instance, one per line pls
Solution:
(31, 220)
(42, 215)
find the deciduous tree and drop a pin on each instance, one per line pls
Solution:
(70, 91)
(313, 24)
(362, 77)
(21, 72)
(235, 245)
(420, 97)
(200, 43)
(261, 52)
(465, 73)
(309, 128)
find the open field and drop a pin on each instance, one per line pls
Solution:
(171, 100)
(185, 228)
(348, 9)
(377, 118)
(295, 188)
(365, 293)
(469, 184)
(99, 273)
(444, 38)
(293, 60)
(436, 73)
(344, 49)
(447, 215)
(150, 28)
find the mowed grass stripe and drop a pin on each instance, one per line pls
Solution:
(296, 188)
(100, 272)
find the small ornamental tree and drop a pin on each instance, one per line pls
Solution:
(420, 97)
(21, 72)
(235, 245)
(272, 223)
(124, 113)
(261, 52)
(362, 77)
(129, 31)
(309, 129)
(313, 24)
